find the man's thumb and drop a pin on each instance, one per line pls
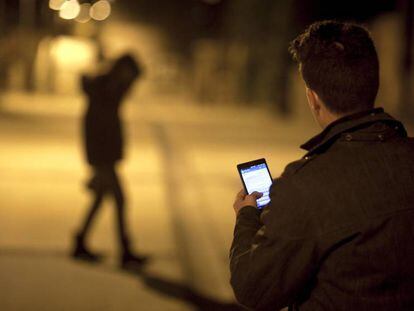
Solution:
(256, 195)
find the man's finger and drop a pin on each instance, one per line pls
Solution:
(241, 195)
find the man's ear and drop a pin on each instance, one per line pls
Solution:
(313, 100)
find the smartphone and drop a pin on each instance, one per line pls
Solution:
(255, 176)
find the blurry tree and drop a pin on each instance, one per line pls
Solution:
(182, 21)
(265, 28)
(248, 39)
(24, 23)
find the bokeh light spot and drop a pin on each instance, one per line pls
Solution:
(56, 4)
(100, 10)
(70, 9)
(84, 15)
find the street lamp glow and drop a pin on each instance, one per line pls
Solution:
(56, 4)
(71, 53)
(100, 10)
(70, 9)
(84, 15)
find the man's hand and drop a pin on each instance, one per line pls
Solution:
(243, 200)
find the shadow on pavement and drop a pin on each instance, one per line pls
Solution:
(153, 282)
(185, 293)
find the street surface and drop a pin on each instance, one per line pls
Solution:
(180, 178)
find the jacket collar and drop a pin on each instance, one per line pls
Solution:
(347, 123)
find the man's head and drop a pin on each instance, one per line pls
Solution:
(339, 65)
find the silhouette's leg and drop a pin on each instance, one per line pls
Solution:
(90, 216)
(80, 250)
(129, 260)
(120, 210)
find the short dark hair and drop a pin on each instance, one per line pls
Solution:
(339, 62)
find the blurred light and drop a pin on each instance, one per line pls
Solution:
(72, 53)
(100, 10)
(70, 9)
(56, 4)
(83, 15)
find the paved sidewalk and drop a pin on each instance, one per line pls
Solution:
(180, 178)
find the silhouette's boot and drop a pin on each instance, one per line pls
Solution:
(81, 252)
(131, 261)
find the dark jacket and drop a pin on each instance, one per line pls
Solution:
(102, 128)
(338, 233)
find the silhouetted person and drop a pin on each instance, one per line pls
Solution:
(103, 141)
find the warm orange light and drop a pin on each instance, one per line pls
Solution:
(70, 9)
(83, 15)
(100, 10)
(72, 53)
(56, 4)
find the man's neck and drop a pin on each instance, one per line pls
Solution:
(329, 118)
(332, 118)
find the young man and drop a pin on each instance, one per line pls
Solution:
(338, 233)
